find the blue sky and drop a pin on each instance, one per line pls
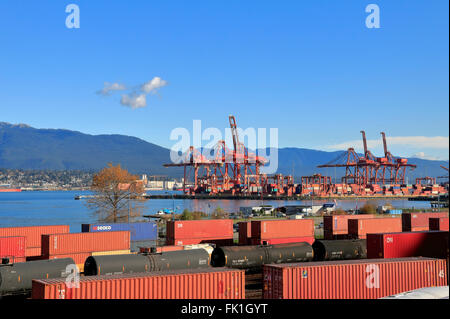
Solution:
(309, 68)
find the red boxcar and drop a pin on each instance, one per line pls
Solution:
(13, 248)
(439, 223)
(336, 226)
(354, 279)
(62, 244)
(273, 241)
(33, 233)
(217, 283)
(245, 233)
(419, 221)
(408, 244)
(186, 229)
(359, 228)
(271, 229)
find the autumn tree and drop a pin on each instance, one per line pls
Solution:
(369, 208)
(114, 189)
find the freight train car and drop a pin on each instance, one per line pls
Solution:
(339, 249)
(254, 257)
(17, 278)
(134, 263)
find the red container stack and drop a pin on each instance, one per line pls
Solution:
(438, 223)
(13, 248)
(217, 283)
(188, 232)
(359, 228)
(355, 279)
(419, 221)
(432, 244)
(282, 231)
(32, 235)
(80, 246)
(336, 226)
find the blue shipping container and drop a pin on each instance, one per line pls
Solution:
(394, 211)
(138, 231)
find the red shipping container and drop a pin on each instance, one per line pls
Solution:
(13, 248)
(245, 233)
(217, 283)
(193, 241)
(352, 279)
(270, 229)
(33, 251)
(273, 241)
(336, 226)
(33, 233)
(62, 244)
(408, 244)
(412, 221)
(210, 228)
(359, 228)
(162, 249)
(439, 223)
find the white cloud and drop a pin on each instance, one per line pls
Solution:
(134, 100)
(108, 88)
(153, 85)
(422, 155)
(436, 142)
(137, 97)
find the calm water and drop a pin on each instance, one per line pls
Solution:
(59, 207)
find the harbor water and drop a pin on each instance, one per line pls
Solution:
(59, 207)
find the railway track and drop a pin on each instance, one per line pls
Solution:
(254, 286)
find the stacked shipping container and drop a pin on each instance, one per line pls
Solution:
(13, 248)
(80, 246)
(282, 231)
(356, 279)
(188, 232)
(419, 221)
(336, 226)
(32, 236)
(218, 283)
(408, 244)
(142, 234)
(359, 228)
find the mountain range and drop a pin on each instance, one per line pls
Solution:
(25, 147)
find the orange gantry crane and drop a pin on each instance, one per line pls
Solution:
(236, 171)
(364, 171)
(395, 167)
